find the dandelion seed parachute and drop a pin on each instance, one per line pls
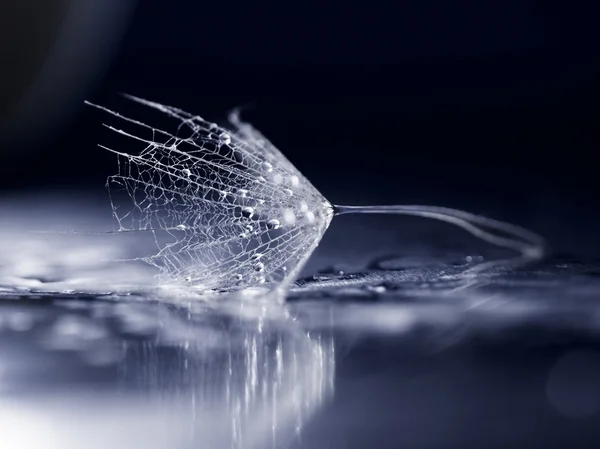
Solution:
(235, 211)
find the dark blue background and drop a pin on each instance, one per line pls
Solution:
(469, 104)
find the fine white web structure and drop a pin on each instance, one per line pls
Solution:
(228, 211)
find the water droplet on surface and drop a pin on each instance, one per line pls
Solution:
(277, 178)
(248, 212)
(288, 191)
(188, 279)
(226, 138)
(267, 167)
(181, 227)
(261, 179)
(187, 172)
(260, 280)
(273, 224)
(259, 267)
(238, 277)
(376, 288)
(249, 228)
(283, 268)
(310, 216)
(256, 256)
(303, 207)
(321, 277)
(242, 192)
(294, 181)
(243, 235)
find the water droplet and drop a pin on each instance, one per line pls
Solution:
(256, 256)
(249, 228)
(376, 288)
(260, 280)
(289, 216)
(277, 178)
(267, 167)
(283, 268)
(248, 212)
(226, 138)
(181, 227)
(310, 216)
(261, 179)
(288, 191)
(186, 172)
(294, 181)
(243, 235)
(238, 277)
(188, 279)
(303, 207)
(321, 277)
(261, 201)
(273, 224)
(242, 192)
(259, 267)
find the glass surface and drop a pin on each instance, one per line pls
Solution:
(389, 351)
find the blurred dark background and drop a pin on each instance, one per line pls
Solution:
(491, 107)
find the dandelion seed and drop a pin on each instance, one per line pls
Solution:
(216, 251)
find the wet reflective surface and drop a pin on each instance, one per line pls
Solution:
(407, 350)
